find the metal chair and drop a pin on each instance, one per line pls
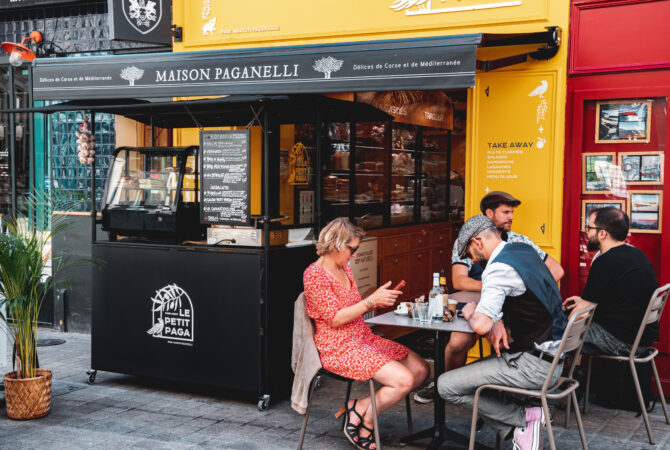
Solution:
(316, 382)
(653, 314)
(573, 339)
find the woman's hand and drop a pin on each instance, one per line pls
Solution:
(384, 297)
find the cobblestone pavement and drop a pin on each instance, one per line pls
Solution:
(121, 411)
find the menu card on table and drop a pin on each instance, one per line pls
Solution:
(224, 162)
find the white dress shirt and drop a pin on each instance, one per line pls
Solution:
(500, 280)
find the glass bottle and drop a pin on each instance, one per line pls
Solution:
(443, 281)
(435, 300)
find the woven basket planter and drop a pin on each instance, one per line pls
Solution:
(28, 398)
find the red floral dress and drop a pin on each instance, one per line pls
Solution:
(351, 350)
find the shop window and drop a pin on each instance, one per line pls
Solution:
(296, 173)
(70, 178)
(623, 153)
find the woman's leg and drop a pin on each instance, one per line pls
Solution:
(399, 378)
(418, 366)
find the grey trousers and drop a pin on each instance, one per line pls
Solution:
(599, 341)
(522, 370)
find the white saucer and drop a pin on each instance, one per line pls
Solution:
(400, 313)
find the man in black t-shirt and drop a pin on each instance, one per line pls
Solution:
(621, 282)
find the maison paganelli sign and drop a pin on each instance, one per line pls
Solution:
(434, 63)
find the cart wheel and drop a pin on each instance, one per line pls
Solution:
(91, 375)
(317, 383)
(264, 403)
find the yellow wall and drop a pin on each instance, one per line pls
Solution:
(507, 114)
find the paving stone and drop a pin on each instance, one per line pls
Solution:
(122, 411)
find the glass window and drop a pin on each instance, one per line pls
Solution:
(296, 173)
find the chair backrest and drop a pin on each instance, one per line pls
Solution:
(653, 313)
(572, 340)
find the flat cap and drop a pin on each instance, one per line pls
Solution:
(495, 197)
(471, 228)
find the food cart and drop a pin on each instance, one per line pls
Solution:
(166, 303)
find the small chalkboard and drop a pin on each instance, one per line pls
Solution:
(224, 158)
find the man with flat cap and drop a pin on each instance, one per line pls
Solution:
(498, 207)
(516, 285)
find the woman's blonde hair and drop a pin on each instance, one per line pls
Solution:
(336, 235)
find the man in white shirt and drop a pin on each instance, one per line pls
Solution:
(498, 207)
(516, 284)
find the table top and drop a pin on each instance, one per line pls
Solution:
(398, 320)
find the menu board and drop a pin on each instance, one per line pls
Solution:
(224, 177)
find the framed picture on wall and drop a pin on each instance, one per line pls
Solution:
(588, 206)
(646, 211)
(597, 172)
(622, 122)
(642, 168)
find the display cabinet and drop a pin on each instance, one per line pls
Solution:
(151, 193)
(399, 173)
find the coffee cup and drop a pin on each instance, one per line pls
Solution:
(402, 308)
(452, 305)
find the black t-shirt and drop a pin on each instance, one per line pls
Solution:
(621, 282)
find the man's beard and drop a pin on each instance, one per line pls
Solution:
(481, 259)
(593, 244)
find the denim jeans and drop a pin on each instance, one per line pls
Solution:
(522, 370)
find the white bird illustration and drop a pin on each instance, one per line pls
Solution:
(156, 329)
(541, 89)
(407, 4)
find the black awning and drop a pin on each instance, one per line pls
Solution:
(233, 110)
(426, 63)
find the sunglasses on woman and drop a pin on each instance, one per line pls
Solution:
(353, 250)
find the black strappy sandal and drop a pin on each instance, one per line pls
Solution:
(365, 443)
(351, 430)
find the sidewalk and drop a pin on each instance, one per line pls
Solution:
(120, 411)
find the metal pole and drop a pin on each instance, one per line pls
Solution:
(317, 174)
(94, 212)
(266, 248)
(31, 147)
(12, 145)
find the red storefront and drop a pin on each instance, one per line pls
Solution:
(616, 134)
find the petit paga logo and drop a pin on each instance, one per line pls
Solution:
(172, 315)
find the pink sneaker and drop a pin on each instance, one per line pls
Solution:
(530, 437)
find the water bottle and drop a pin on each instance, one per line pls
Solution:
(435, 300)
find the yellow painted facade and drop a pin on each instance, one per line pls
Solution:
(501, 109)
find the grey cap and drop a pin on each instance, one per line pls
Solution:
(471, 228)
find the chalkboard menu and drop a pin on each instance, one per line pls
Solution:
(225, 177)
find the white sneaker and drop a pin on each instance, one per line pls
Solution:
(530, 437)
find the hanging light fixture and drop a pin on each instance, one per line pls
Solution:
(20, 52)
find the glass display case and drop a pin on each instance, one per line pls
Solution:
(151, 193)
(399, 173)
(370, 174)
(403, 173)
(434, 182)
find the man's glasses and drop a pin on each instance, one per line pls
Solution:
(589, 228)
(353, 250)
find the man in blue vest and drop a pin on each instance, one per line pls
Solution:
(519, 289)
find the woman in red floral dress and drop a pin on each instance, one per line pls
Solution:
(346, 345)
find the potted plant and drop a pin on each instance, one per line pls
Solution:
(24, 282)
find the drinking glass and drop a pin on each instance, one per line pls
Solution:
(422, 309)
